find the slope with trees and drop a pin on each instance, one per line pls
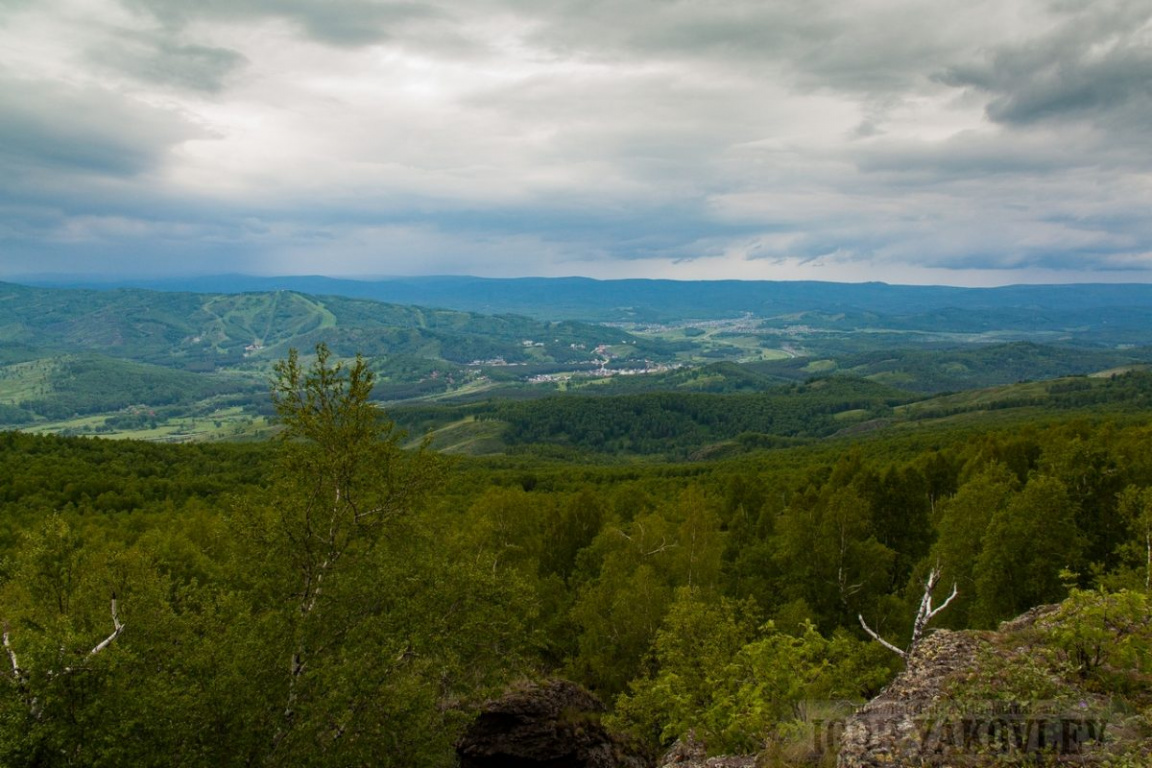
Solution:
(334, 599)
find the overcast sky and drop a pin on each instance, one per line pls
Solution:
(911, 141)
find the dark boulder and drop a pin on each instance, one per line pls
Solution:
(547, 725)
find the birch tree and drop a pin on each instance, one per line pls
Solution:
(1136, 507)
(924, 615)
(1027, 544)
(344, 483)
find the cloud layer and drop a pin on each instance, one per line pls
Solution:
(903, 140)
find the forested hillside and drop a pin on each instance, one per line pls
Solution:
(686, 424)
(331, 599)
(181, 366)
(220, 330)
(668, 424)
(178, 365)
(957, 368)
(1090, 309)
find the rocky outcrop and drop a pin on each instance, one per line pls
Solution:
(921, 720)
(887, 731)
(690, 753)
(555, 724)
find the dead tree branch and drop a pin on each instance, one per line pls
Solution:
(16, 671)
(923, 616)
(117, 628)
(903, 654)
(21, 675)
(927, 612)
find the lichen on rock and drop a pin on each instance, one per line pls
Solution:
(970, 698)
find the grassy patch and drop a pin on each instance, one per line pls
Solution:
(26, 381)
(223, 424)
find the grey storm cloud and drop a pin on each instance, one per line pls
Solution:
(522, 136)
(48, 126)
(161, 60)
(1097, 61)
(338, 22)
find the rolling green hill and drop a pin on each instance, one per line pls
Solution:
(1101, 311)
(77, 385)
(957, 368)
(678, 425)
(171, 365)
(932, 370)
(144, 357)
(205, 331)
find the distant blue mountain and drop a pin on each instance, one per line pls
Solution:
(1121, 307)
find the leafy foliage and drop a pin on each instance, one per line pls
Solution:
(735, 685)
(319, 621)
(1104, 636)
(680, 423)
(335, 598)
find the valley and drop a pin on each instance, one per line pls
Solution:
(177, 366)
(687, 518)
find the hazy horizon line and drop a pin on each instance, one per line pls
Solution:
(102, 278)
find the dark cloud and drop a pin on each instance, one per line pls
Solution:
(47, 126)
(158, 59)
(874, 48)
(970, 155)
(335, 22)
(1095, 63)
(889, 133)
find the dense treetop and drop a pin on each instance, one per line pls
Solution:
(335, 599)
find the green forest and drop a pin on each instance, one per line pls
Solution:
(334, 597)
(179, 367)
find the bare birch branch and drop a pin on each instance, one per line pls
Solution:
(117, 629)
(924, 615)
(927, 612)
(882, 641)
(943, 605)
(664, 545)
(16, 671)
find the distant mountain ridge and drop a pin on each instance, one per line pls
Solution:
(654, 299)
(204, 330)
(169, 364)
(128, 356)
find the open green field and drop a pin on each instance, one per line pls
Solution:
(224, 424)
(182, 366)
(467, 436)
(26, 381)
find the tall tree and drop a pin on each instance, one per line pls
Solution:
(830, 556)
(1136, 507)
(964, 521)
(378, 627)
(901, 504)
(1027, 544)
(342, 482)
